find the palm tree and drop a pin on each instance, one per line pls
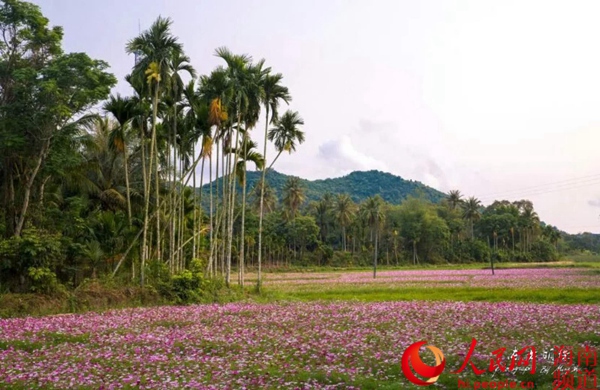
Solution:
(269, 198)
(286, 133)
(293, 198)
(214, 90)
(273, 93)
(454, 199)
(155, 49)
(100, 175)
(245, 91)
(123, 110)
(248, 155)
(323, 211)
(344, 211)
(471, 212)
(529, 219)
(373, 209)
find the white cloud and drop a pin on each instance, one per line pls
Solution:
(341, 155)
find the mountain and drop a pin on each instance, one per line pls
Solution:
(359, 185)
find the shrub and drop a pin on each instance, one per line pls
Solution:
(187, 285)
(36, 249)
(43, 280)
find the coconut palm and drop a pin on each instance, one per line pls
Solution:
(123, 110)
(373, 213)
(102, 181)
(293, 198)
(273, 93)
(454, 199)
(344, 211)
(286, 133)
(323, 215)
(528, 220)
(269, 198)
(472, 212)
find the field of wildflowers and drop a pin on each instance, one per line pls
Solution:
(293, 345)
(503, 278)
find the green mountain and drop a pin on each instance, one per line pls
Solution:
(359, 185)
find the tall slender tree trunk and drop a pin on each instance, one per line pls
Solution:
(181, 235)
(224, 210)
(242, 238)
(200, 212)
(195, 241)
(173, 196)
(157, 203)
(147, 189)
(127, 188)
(375, 257)
(210, 218)
(143, 251)
(262, 201)
(233, 191)
(27, 188)
(414, 252)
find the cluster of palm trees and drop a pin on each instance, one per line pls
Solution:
(470, 207)
(502, 220)
(176, 124)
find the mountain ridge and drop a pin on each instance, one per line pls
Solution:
(359, 185)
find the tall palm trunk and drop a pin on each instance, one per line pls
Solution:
(198, 236)
(210, 218)
(181, 236)
(127, 189)
(157, 203)
(242, 238)
(224, 209)
(262, 201)
(147, 189)
(145, 183)
(375, 257)
(232, 204)
(195, 241)
(173, 197)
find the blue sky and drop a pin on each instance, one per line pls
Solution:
(497, 99)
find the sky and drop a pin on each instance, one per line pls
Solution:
(500, 100)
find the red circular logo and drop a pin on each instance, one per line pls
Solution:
(411, 357)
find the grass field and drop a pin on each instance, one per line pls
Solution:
(327, 330)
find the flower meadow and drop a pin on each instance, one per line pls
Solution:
(503, 278)
(312, 345)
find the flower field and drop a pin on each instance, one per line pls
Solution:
(285, 345)
(503, 278)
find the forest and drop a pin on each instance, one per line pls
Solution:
(95, 185)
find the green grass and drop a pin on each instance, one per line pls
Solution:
(465, 294)
(576, 261)
(585, 258)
